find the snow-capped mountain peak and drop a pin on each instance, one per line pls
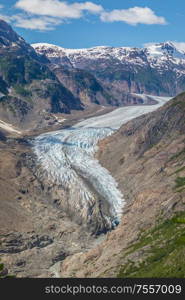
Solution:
(165, 49)
(157, 68)
(55, 54)
(45, 48)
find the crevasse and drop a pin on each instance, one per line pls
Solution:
(67, 158)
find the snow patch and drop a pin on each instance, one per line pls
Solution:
(9, 127)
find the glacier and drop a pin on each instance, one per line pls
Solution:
(66, 158)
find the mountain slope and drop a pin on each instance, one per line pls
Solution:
(29, 90)
(157, 69)
(80, 82)
(147, 158)
(84, 86)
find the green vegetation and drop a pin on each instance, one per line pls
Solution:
(21, 90)
(86, 80)
(163, 251)
(15, 105)
(180, 181)
(4, 273)
(22, 69)
(150, 79)
(179, 170)
(180, 219)
(27, 78)
(3, 86)
(181, 103)
(178, 155)
(1, 267)
(36, 71)
(61, 99)
(12, 69)
(179, 100)
(147, 77)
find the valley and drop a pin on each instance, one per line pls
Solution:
(92, 159)
(60, 187)
(67, 159)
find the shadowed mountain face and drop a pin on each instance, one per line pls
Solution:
(84, 86)
(29, 90)
(12, 42)
(158, 69)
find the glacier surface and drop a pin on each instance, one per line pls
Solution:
(67, 159)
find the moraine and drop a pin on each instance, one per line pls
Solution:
(66, 158)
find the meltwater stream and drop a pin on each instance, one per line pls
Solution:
(67, 159)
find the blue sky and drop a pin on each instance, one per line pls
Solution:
(81, 24)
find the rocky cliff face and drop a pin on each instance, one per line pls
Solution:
(84, 86)
(157, 69)
(29, 90)
(147, 158)
(80, 82)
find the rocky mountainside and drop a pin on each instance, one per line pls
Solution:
(56, 200)
(60, 192)
(35, 233)
(147, 158)
(29, 90)
(158, 69)
(80, 82)
(84, 86)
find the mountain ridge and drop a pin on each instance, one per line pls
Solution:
(158, 69)
(29, 91)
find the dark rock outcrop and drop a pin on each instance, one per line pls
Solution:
(29, 89)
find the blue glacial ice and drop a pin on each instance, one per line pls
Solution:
(67, 159)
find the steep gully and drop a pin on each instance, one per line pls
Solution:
(66, 158)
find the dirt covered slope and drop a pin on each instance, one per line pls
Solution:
(147, 158)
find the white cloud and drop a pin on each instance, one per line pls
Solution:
(5, 18)
(47, 14)
(56, 8)
(133, 16)
(40, 23)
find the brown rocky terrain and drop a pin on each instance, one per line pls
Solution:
(147, 158)
(35, 233)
